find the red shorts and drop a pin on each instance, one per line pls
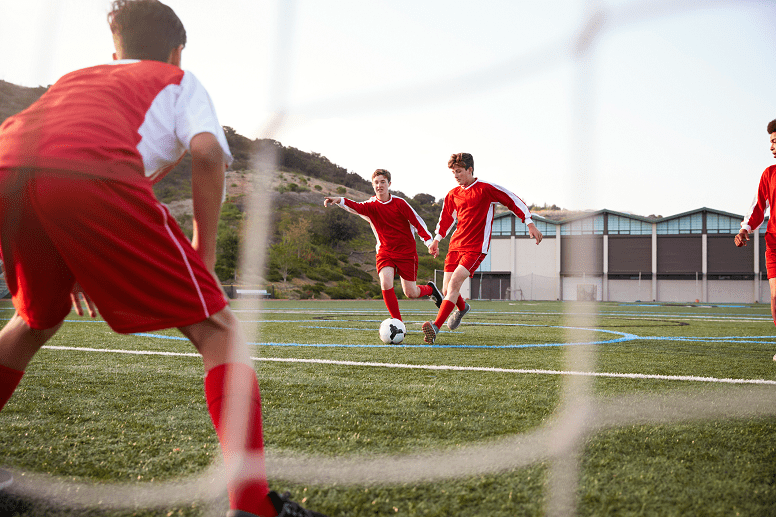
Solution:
(406, 268)
(471, 260)
(770, 261)
(116, 240)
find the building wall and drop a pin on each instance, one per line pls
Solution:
(573, 285)
(681, 259)
(730, 291)
(684, 291)
(534, 268)
(630, 290)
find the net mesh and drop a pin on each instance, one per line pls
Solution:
(580, 414)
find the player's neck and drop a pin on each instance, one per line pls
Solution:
(384, 197)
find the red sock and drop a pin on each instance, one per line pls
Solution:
(460, 303)
(389, 295)
(444, 311)
(9, 379)
(425, 290)
(249, 495)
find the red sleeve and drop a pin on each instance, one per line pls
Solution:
(354, 207)
(511, 201)
(756, 213)
(446, 217)
(416, 221)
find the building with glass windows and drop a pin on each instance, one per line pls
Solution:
(613, 256)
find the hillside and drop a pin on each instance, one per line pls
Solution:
(314, 252)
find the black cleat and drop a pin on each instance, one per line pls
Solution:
(436, 295)
(283, 505)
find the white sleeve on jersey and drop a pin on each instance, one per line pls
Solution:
(178, 113)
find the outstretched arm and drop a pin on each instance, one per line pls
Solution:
(207, 191)
(741, 238)
(534, 232)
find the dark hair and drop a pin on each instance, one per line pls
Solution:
(382, 172)
(148, 29)
(772, 127)
(464, 160)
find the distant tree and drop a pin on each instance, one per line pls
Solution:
(293, 250)
(424, 199)
(228, 241)
(337, 226)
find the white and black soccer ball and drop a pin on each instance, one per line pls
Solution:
(392, 331)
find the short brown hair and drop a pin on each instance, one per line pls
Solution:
(148, 29)
(382, 172)
(772, 127)
(464, 160)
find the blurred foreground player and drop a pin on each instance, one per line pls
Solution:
(471, 206)
(764, 199)
(394, 223)
(80, 222)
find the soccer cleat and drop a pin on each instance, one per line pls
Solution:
(283, 505)
(435, 294)
(430, 332)
(455, 318)
(6, 479)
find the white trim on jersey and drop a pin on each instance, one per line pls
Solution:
(177, 114)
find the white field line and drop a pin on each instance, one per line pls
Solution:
(641, 376)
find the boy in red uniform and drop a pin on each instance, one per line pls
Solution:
(79, 216)
(470, 204)
(765, 198)
(394, 223)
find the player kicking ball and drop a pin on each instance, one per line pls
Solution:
(394, 223)
(471, 206)
(79, 221)
(764, 199)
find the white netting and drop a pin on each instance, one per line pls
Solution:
(580, 414)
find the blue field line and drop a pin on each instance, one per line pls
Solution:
(623, 338)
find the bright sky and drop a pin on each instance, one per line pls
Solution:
(665, 113)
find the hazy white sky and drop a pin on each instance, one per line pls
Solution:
(666, 112)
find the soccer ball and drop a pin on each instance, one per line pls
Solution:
(392, 331)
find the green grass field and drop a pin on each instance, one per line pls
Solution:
(87, 414)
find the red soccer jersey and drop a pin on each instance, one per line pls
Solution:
(394, 223)
(766, 195)
(127, 120)
(472, 208)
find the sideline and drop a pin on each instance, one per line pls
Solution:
(686, 378)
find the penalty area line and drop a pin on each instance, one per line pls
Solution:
(638, 376)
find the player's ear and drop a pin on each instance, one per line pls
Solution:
(175, 56)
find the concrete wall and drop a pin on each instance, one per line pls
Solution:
(630, 290)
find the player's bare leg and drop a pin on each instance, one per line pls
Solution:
(19, 343)
(410, 288)
(219, 339)
(234, 404)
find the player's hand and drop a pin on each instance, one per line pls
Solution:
(78, 294)
(434, 248)
(331, 201)
(534, 232)
(741, 238)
